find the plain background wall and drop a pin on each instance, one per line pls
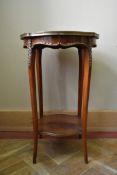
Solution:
(60, 67)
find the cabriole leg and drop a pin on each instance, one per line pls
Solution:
(31, 71)
(87, 61)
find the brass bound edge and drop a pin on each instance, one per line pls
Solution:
(50, 33)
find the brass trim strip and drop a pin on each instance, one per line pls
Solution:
(51, 33)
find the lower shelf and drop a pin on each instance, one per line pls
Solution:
(60, 125)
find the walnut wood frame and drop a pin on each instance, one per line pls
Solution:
(60, 125)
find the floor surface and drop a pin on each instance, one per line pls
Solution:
(60, 157)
